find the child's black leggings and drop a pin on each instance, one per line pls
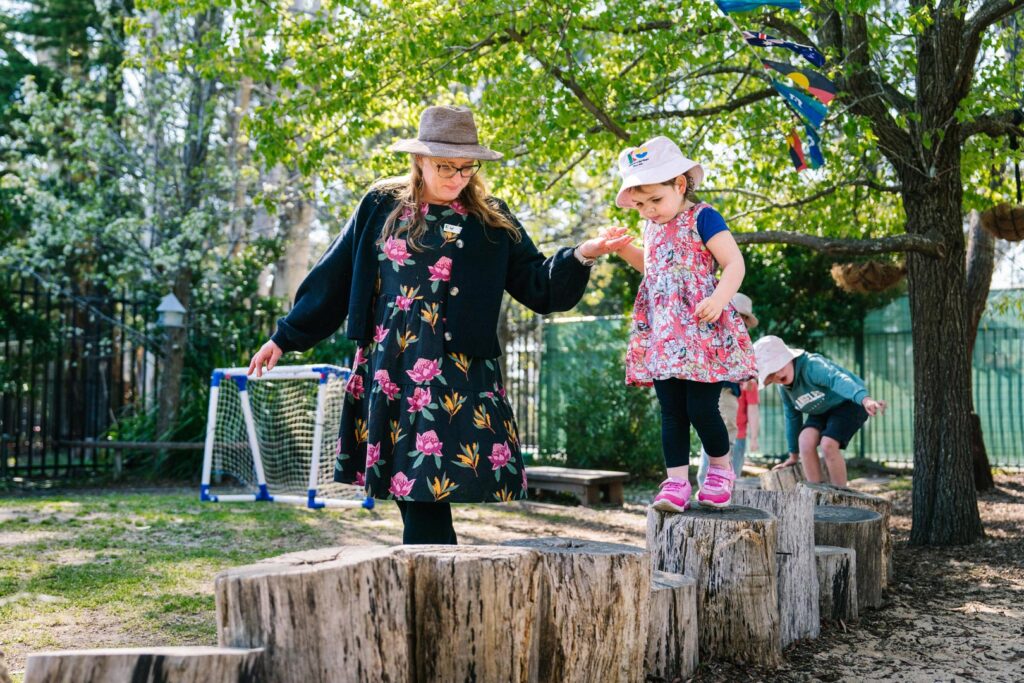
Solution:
(685, 402)
(427, 523)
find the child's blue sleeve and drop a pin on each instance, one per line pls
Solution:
(794, 421)
(710, 223)
(827, 374)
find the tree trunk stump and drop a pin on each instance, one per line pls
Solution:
(826, 494)
(731, 555)
(476, 612)
(837, 582)
(335, 614)
(785, 479)
(861, 530)
(146, 665)
(672, 636)
(795, 569)
(594, 611)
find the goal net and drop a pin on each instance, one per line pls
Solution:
(272, 438)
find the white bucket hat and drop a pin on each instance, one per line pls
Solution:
(655, 161)
(772, 354)
(745, 307)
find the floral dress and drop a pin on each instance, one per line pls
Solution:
(666, 339)
(418, 423)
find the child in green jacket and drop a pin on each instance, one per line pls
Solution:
(835, 400)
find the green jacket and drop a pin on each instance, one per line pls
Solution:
(819, 385)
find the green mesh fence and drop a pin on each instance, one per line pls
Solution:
(587, 413)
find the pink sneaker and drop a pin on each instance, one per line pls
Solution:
(674, 496)
(717, 489)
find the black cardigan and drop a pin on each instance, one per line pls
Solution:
(343, 282)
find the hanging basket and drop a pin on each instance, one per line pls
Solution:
(1005, 221)
(867, 277)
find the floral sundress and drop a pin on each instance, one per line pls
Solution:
(418, 423)
(666, 340)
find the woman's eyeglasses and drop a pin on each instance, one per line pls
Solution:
(447, 171)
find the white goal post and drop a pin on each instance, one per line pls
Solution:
(271, 437)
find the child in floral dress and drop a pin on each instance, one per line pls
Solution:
(686, 338)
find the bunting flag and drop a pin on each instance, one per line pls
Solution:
(811, 81)
(796, 151)
(809, 109)
(765, 40)
(728, 6)
(814, 156)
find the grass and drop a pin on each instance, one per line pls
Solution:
(140, 566)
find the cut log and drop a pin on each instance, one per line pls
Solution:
(146, 665)
(476, 612)
(837, 582)
(788, 477)
(672, 636)
(797, 585)
(826, 494)
(731, 555)
(594, 610)
(336, 614)
(861, 530)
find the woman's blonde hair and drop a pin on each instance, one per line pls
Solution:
(408, 190)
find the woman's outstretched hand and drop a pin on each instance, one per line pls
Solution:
(268, 355)
(608, 241)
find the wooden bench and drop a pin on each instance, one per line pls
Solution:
(591, 487)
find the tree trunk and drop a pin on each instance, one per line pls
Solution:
(784, 479)
(731, 555)
(795, 568)
(672, 634)
(323, 616)
(146, 665)
(837, 582)
(826, 494)
(860, 530)
(476, 613)
(595, 610)
(296, 223)
(981, 248)
(945, 505)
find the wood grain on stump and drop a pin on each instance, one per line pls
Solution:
(672, 636)
(146, 665)
(730, 553)
(594, 611)
(787, 478)
(861, 530)
(797, 580)
(837, 582)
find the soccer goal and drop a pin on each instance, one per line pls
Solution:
(271, 438)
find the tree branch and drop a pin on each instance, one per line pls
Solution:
(769, 204)
(989, 13)
(739, 102)
(846, 246)
(995, 125)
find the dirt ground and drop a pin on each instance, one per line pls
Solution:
(954, 614)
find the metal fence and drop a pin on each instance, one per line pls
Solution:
(882, 356)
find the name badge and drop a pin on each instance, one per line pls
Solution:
(453, 229)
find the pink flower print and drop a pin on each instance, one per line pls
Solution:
(381, 376)
(500, 455)
(428, 443)
(372, 454)
(381, 334)
(396, 251)
(458, 208)
(360, 479)
(441, 271)
(355, 386)
(401, 485)
(524, 479)
(501, 392)
(424, 371)
(337, 449)
(360, 358)
(390, 389)
(419, 400)
(403, 302)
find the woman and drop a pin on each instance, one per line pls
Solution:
(420, 270)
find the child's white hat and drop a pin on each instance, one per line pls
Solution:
(771, 355)
(655, 161)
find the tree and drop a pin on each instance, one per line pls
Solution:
(562, 86)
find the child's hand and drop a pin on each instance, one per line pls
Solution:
(268, 355)
(874, 407)
(788, 462)
(709, 310)
(608, 241)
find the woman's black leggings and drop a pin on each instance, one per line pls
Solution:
(427, 523)
(685, 402)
